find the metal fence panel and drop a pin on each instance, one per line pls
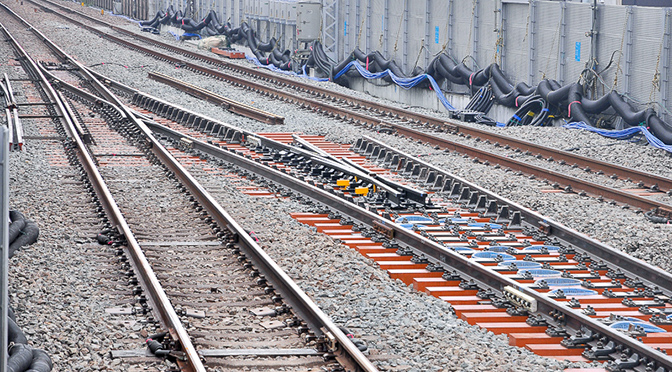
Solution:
(548, 40)
(556, 55)
(462, 29)
(579, 18)
(377, 26)
(646, 50)
(416, 35)
(395, 39)
(438, 28)
(487, 36)
(516, 41)
(612, 23)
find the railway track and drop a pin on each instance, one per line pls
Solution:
(15, 131)
(641, 194)
(469, 220)
(214, 270)
(464, 228)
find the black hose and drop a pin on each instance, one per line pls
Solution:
(20, 358)
(504, 99)
(625, 110)
(534, 112)
(29, 236)
(41, 362)
(155, 19)
(660, 129)
(14, 332)
(575, 108)
(16, 215)
(558, 96)
(267, 47)
(15, 229)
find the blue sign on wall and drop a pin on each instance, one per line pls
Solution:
(436, 34)
(345, 28)
(577, 51)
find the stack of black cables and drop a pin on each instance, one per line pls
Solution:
(482, 101)
(535, 111)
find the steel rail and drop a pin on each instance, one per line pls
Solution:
(635, 267)
(396, 191)
(648, 179)
(651, 275)
(88, 77)
(156, 296)
(229, 104)
(347, 353)
(481, 274)
(574, 183)
(563, 180)
(577, 318)
(13, 120)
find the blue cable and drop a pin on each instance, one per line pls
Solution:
(275, 69)
(405, 83)
(623, 134)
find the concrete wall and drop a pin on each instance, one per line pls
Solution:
(531, 40)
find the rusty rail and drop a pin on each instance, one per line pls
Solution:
(647, 179)
(439, 254)
(187, 356)
(227, 103)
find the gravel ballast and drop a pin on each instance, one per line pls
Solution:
(416, 329)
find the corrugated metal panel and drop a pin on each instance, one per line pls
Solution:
(377, 14)
(611, 20)
(487, 37)
(548, 40)
(395, 42)
(648, 33)
(462, 29)
(579, 18)
(439, 19)
(516, 42)
(416, 34)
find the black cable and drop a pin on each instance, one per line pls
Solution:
(655, 219)
(482, 119)
(534, 111)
